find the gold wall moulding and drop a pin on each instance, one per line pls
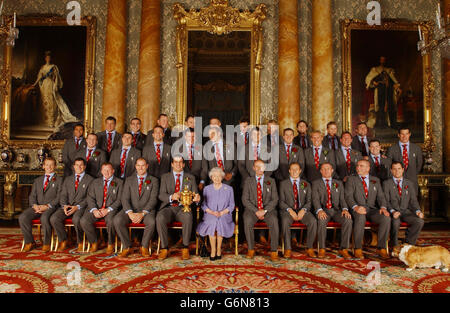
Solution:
(219, 18)
(89, 23)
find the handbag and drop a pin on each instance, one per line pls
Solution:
(203, 250)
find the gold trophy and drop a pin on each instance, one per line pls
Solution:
(186, 199)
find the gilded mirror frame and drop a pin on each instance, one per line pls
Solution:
(219, 18)
(90, 23)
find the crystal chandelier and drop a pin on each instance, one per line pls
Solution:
(442, 36)
(8, 32)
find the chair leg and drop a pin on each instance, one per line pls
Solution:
(23, 245)
(282, 245)
(159, 243)
(51, 242)
(101, 234)
(39, 231)
(150, 247)
(84, 242)
(56, 243)
(334, 235)
(196, 244)
(121, 247)
(301, 238)
(115, 244)
(236, 245)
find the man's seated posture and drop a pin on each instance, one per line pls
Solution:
(295, 205)
(364, 194)
(103, 202)
(139, 199)
(329, 202)
(172, 184)
(44, 200)
(73, 203)
(260, 199)
(401, 196)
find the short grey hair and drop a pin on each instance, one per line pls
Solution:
(214, 170)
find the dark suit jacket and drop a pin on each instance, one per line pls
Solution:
(327, 142)
(79, 197)
(354, 193)
(140, 141)
(383, 172)
(167, 187)
(229, 164)
(103, 142)
(287, 199)
(296, 155)
(357, 145)
(167, 137)
(113, 197)
(269, 194)
(69, 152)
(50, 195)
(415, 159)
(298, 142)
(94, 165)
(278, 140)
(197, 156)
(246, 166)
(341, 164)
(320, 195)
(155, 169)
(130, 162)
(407, 203)
(131, 200)
(326, 155)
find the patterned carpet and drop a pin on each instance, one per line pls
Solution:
(100, 273)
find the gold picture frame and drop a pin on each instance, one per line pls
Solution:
(219, 18)
(347, 26)
(6, 87)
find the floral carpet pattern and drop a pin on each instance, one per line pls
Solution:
(74, 272)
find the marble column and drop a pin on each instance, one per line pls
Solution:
(447, 102)
(149, 64)
(322, 65)
(114, 84)
(288, 65)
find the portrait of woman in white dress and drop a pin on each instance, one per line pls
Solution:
(56, 111)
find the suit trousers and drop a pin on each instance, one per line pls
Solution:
(25, 224)
(121, 220)
(166, 216)
(57, 221)
(413, 231)
(311, 226)
(270, 219)
(87, 224)
(373, 215)
(346, 228)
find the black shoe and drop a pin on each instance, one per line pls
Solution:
(212, 258)
(218, 257)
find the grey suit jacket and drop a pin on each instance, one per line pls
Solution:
(230, 165)
(140, 141)
(113, 197)
(326, 142)
(341, 164)
(197, 157)
(69, 153)
(296, 155)
(269, 194)
(130, 162)
(298, 141)
(167, 187)
(50, 195)
(79, 197)
(407, 203)
(383, 172)
(131, 200)
(357, 144)
(320, 195)
(155, 169)
(354, 193)
(103, 142)
(94, 165)
(326, 155)
(415, 159)
(287, 195)
(168, 139)
(245, 167)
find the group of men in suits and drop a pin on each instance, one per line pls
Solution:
(124, 178)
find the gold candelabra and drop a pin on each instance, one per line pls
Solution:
(442, 36)
(8, 31)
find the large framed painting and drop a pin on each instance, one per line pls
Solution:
(49, 81)
(387, 83)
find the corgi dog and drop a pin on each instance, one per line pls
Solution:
(423, 257)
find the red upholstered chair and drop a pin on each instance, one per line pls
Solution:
(178, 225)
(99, 225)
(295, 225)
(37, 223)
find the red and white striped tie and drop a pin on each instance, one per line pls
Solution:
(259, 194)
(366, 191)
(122, 161)
(288, 150)
(328, 194)
(316, 158)
(219, 158)
(405, 156)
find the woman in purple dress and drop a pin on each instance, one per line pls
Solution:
(218, 205)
